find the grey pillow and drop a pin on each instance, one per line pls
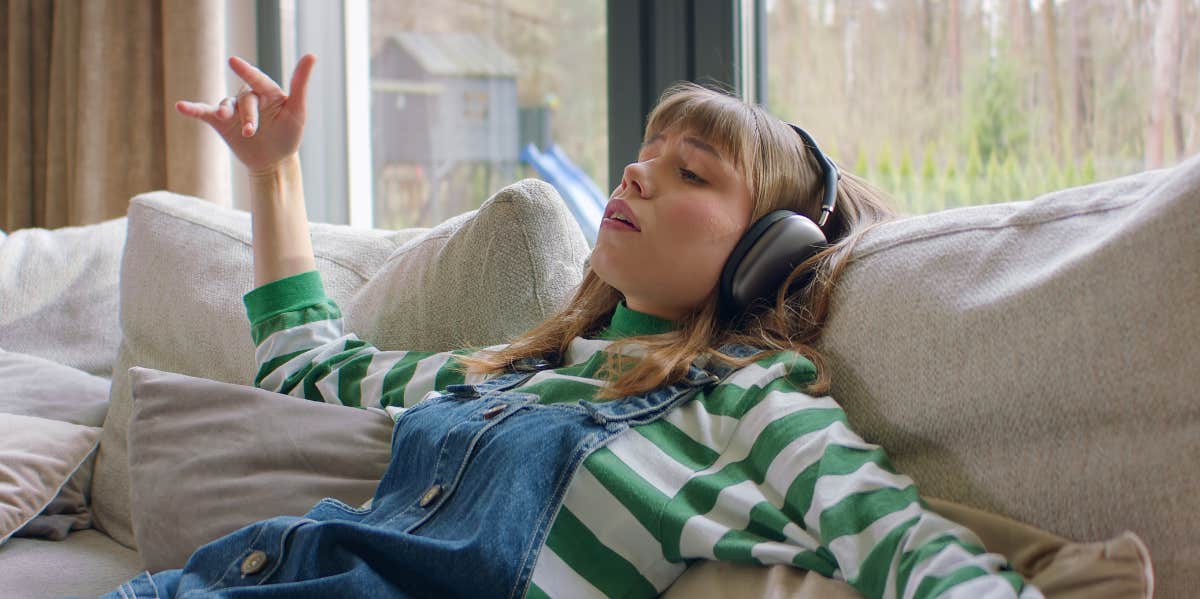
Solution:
(207, 458)
(38, 459)
(48, 462)
(36, 386)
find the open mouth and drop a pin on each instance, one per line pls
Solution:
(618, 214)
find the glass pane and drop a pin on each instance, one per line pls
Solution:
(460, 89)
(958, 102)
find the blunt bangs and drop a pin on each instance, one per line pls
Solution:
(723, 121)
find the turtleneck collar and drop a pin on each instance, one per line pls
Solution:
(627, 322)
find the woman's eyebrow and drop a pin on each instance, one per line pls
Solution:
(699, 143)
(690, 140)
(650, 142)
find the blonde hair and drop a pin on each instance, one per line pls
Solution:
(780, 173)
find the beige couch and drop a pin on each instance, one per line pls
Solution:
(1032, 359)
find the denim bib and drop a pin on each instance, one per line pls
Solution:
(476, 478)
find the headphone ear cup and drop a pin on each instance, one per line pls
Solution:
(771, 248)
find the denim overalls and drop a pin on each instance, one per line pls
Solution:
(476, 478)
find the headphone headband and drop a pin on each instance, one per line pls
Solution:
(829, 172)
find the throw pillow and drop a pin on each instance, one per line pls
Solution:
(479, 278)
(36, 386)
(40, 389)
(206, 458)
(1038, 359)
(37, 458)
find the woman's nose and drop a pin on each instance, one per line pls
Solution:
(634, 175)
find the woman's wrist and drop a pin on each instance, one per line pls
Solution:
(277, 168)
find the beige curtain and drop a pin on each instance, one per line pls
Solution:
(87, 118)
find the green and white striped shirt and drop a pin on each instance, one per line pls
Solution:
(752, 470)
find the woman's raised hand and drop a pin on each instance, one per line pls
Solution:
(262, 124)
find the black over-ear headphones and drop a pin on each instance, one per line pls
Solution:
(775, 245)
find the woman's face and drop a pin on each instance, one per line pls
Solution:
(671, 224)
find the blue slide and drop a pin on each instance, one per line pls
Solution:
(583, 197)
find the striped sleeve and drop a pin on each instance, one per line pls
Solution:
(795, 485)
(301, 350)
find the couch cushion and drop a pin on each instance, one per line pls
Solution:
(59, 293)
(1038, 359)
(479, 278)
(86, 564)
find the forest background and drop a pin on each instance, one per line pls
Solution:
(942, 103)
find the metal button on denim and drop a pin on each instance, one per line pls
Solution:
(491, 412)
(431, 495)
(254, 563)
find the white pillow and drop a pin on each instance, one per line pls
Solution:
(479, 278)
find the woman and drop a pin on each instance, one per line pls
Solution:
(643, 426)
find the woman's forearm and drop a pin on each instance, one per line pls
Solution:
(282, 246)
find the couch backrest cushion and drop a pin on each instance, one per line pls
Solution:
(1038, 359)
(58, 294)
(479, 278)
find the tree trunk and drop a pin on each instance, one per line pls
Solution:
(1019, 28)
(850, 50)
(1164, 89)
(1082, 74)
(928, 57)
(954, 48)
(1053, 81)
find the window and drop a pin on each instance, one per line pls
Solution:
(957, 102)
(460, 89)
(392, 73)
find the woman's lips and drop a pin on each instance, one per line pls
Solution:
(618, 215)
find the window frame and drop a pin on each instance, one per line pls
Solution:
(706, 41)
(652, 44)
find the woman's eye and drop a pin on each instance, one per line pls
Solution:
(690, 176)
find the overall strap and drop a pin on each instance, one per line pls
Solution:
(737, 350)
(522, 370)
(638, 409)
(503, 382)
(647, 407)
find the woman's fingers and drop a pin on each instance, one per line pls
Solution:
(226, 108)
(297, 90)
(192, 109)
(212, 115)
(256, 79)
(247, 107)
